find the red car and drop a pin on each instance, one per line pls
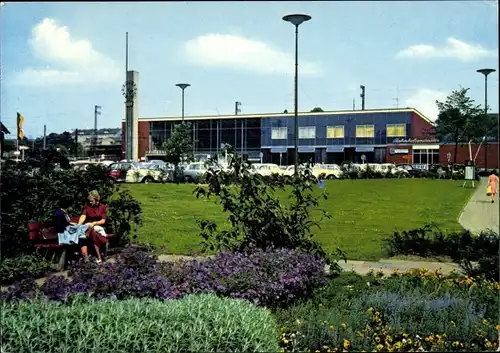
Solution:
(118, 171)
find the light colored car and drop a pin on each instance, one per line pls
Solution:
(142, 172)
(267, 169)
(330, 171)
(195, 172)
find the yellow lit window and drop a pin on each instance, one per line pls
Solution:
(335, 132)
(396, 130)
(365, 131)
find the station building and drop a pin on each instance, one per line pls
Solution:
(376, 136)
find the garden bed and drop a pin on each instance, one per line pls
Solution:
(312, 311)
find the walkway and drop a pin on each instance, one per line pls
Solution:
(479, 213)
(386, 266)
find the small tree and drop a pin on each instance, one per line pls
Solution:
(258, 218)
(179, 146)
(459, 117)
(317, 110)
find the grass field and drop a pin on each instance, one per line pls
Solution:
(364, 212)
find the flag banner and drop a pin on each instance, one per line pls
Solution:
(20, 131)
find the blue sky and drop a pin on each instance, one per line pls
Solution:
(58, 60)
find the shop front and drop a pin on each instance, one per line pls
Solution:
(425, 155)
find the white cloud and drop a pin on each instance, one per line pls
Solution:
(227, 50)
(425, 101)
(72, 61)
(453, 48)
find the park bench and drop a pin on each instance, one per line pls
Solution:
(44, 237)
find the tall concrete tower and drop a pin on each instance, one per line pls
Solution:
(132, 116)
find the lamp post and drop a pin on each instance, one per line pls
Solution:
(485, 72)
(296, 20)
(183, 86)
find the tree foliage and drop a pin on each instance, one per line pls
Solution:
(460, 119)
(317, 110)
(31, 193)
(259, 217)
(179, 146)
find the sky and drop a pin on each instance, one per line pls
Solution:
(59, 60)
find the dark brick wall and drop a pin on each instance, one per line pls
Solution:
(398, 158)
(143, 138)
(489, 151)
(420, 128)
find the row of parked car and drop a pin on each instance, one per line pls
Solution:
(159, 171)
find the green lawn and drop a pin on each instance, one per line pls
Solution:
(364, 212)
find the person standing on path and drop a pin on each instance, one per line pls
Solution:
(493, 185)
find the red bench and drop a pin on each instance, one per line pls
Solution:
(43, 236)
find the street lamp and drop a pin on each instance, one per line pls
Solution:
(183, 86)
(485, 72)
(296, 20)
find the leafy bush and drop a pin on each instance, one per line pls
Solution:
(271, 278)
(258, 219)
(22, 267)
(464, 248)
(200, 323)
(32, 194)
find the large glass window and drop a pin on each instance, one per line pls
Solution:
(396, 130)
(426, 156)
(365, 131)
(279, 133)
(335, 132)
(307, 132)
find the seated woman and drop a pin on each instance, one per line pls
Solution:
(94, 215)
(67, 232)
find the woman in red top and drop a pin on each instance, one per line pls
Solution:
(94, 215)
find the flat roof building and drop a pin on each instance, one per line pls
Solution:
(377, 135)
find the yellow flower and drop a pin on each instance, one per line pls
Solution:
(343, 325)
(497, 327)
(370, 310)
(455, 344)
(297, 322)
(346, 344)
(380, 347)
(332, 326)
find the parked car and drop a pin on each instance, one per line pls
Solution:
(330, 171)
(268, 169)
(412, 172)
(142, 172)
(195, 172)
(118, 171)
(82, 165)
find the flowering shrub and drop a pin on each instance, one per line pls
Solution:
(410, 311)
(268, 278)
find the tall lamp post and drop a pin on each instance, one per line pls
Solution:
(183, 86)
(296, 20)
(485, 72)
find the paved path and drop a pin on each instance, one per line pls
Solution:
(479, 213)
(386, 266)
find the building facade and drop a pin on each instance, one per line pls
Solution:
(377, 136)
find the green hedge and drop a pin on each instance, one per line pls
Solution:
(196, 323)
